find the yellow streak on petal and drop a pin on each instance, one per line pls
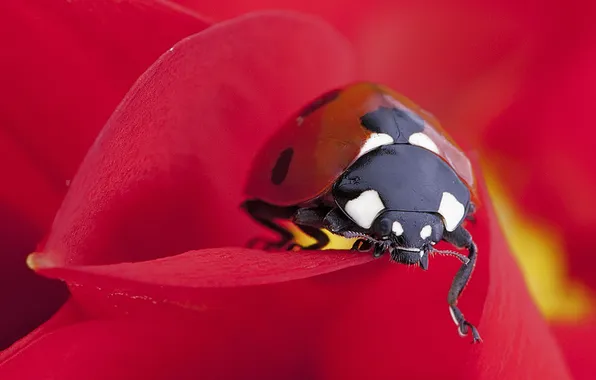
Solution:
(539, 251)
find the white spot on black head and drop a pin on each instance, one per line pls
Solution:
(451, 210)
(423, 141)
(374, 141)
(426, 231)
(365, 208)
(397, 228)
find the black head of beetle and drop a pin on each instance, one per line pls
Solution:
(408, 235)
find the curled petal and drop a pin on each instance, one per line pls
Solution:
(166, 173)
(367, 319)
(67, 64)
(70, 64)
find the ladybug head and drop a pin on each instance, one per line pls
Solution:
(409, 231)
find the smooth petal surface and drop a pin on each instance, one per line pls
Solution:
(519, 341)
(211, 268)
(167, 172)
(69, 313)
(166, 345)
(66, 65)
(554, 176)
(577, 343)
(69, 64)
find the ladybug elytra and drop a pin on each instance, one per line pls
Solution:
(365, 162)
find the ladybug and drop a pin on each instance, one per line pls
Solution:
(365, 162)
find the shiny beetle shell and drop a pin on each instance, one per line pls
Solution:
(311, 151)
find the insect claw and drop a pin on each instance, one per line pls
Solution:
(424, 261)
(379, 250)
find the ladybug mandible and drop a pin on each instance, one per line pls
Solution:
(363, 161)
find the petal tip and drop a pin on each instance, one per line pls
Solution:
(38, 260)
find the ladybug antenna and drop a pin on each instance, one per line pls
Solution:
(461, 257)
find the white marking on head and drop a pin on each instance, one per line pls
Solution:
(426, 231)
(397, 228)
(421, 253)
(374, 141)
(451, 210)
(423, 141)
(365, 208)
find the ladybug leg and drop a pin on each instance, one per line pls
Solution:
(362, 245)
(265, 214)
(337, 222)
(311, 221)
(471, 211)
(379, 250)
(311, 216)
(461, 238)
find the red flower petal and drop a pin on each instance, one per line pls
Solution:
(373, 320)
(67, 65)
(208, 268)
(166, 345)
(577, 343)
(554, 176)
(167, 172)
(68, 314)
(63, 80)
(519, 342)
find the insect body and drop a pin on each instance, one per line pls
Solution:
(363, 161)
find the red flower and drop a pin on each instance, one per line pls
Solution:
(505, 77)
(68, 64)
(148, 235)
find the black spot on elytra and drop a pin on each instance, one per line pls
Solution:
(319, 102)
(280, 170)
(395, 122)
